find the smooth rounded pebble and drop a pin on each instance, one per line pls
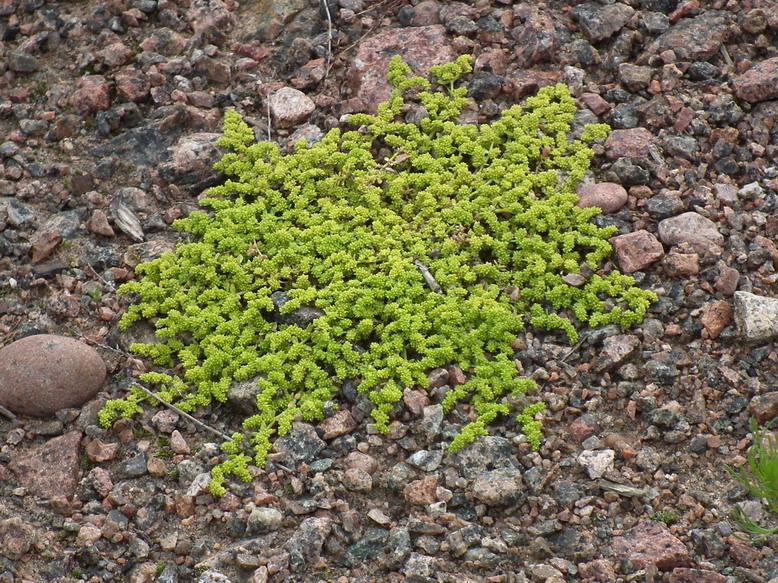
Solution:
(45, 373)
(608, 196)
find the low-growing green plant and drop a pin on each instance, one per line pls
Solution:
(667, 517)
(160, 568)
(418, 245)
(759, 475)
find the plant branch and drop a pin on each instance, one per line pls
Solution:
(194, 420)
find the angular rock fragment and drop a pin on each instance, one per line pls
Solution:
(649, 543)
(756, 316)
(125, 219)
(600, 22)
(597, 462)
(715, 317)
(636, 251)
(759, 83)
(615, 350)
(631, 143)
(694, 39)
(498, 487)
(50, 470)
(192, 160)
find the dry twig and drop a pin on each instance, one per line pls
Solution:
(329, 37)
(194, 420)
(268, 119)
(7, 413)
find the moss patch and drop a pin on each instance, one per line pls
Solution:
(417, 245)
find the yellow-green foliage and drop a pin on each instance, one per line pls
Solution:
(489, 210)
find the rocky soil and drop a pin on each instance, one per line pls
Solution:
(108, 116)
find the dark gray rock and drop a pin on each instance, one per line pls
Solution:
(624, 116)
(132, 467)
(655, 22)
(600, 22)
(398, 547)
(367, 548)
(243, 396)
(485, 86)
(399, 476)
(301, 445)
(696, 39)
(20, 62)
(304, 546)
(682, 146)
(141, 146)
(629, 173)
(664, 205)
(487, 453)
(17, 213)
(301, 317)
(702, 71)
(567, 493)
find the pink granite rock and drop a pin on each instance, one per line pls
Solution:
(715, 317)
(421, 492)
(45, 373)
(608, 196)
(339, 424)
(99, 451)
(759, 83)
(686, 575)
(596, 103)
(16, 538)
(649, 543)
(631, 143)
(93, 94)
(764, 407)
(50, 470)
(290, 107)
(636, 251)
(420, 47)
(699, 232)
(132, 85)
(523, 82)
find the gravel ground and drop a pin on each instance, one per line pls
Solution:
(108, 116)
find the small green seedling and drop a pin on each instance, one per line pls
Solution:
(759, 475)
